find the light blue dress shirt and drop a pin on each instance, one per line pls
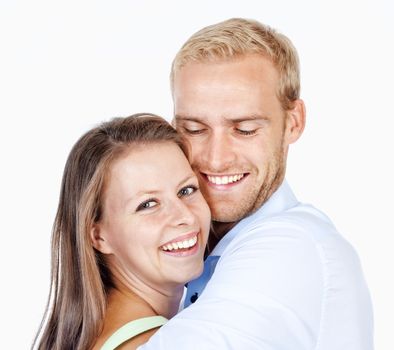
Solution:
(285, 280)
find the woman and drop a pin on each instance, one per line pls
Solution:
(130, 231)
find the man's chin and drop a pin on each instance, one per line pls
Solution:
(224, 215)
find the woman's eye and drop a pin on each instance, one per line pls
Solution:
(187, 191)
(147, 205)
(246, 132)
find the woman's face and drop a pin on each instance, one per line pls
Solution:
(155, 220)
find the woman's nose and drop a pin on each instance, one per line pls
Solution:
(181, 213)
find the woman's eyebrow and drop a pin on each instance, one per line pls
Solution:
(187, 179)
(155, 192)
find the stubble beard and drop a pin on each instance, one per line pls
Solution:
(227, 214)
(230, 213)
(272, 181)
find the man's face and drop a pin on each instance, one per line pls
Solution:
(239, 133)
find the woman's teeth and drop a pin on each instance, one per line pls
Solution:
(188, 243)
(224, 180)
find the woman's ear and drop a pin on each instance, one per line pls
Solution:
(295, 121)
(98, 240)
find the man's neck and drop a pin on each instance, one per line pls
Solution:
(218, 231)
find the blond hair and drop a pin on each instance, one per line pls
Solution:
(239, 37)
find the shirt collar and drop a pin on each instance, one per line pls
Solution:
(282, 199)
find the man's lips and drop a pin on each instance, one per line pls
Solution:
(224, 180)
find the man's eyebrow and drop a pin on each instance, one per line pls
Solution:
(247, 118)
(179, 118)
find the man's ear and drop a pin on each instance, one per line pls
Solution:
(98, 240)
(295, 121)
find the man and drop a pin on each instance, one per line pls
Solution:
(280, 275)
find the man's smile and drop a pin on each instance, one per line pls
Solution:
(227, 180)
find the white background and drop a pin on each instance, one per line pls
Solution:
(65, 66)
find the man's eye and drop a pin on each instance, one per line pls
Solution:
(187, 191)
(150, 203)
(246, 132)
(193, 131)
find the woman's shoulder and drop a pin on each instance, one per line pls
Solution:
(134, 333)
(135, 321)
(137, 341)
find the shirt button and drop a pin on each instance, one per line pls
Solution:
(194, 297)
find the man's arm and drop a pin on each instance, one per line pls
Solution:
(278, 287)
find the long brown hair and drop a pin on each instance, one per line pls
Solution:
(80, 278)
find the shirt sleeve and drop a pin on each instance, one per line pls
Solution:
(269, 291)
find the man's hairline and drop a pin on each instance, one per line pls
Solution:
(217, 60)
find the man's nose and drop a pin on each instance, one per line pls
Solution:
(219, 153)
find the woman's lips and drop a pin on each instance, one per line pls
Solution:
(182, 246)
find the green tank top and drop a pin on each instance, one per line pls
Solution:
(131, 329)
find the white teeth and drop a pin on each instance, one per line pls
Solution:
(224, 180)
(188, 243)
